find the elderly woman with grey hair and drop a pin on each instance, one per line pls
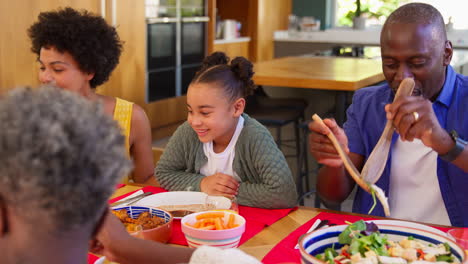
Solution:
(60, 158)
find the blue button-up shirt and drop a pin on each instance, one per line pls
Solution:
(365, 123)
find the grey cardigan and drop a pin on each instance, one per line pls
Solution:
(266, 180)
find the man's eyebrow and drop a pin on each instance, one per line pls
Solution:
(418, 56)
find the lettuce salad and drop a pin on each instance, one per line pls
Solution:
(363, 244)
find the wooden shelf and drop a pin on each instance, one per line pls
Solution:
(234, 47)
(259, 19)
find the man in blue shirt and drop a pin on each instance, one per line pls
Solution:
(426, 174)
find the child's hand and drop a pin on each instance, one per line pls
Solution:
(219, 184)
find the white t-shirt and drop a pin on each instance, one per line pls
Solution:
(222, 162)
(414, 187)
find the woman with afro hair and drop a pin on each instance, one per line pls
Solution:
(77, 51)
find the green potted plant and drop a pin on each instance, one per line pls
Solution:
(365, 10)
(359, 21)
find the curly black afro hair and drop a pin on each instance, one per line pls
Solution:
(93, 43)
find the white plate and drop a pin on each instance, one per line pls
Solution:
(103, 260)
(100, 260)
(184, 198)
(410, 224)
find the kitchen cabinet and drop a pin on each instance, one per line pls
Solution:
(259, 19)
(233, 48)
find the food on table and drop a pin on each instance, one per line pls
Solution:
(182, 210)
(213, 221)
(180, 213)
(144, 221)
(363, 244)
(188, 207)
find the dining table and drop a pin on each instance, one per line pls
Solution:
(263, 242)
(343, 75)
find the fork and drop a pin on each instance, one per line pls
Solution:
(132, 200)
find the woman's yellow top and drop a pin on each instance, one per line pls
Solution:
(123, 115)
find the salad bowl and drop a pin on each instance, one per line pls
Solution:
(313, 245)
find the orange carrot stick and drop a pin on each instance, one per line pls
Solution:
(188, 224)
(208, 227)
(210, 215)
(218, 224)
(231, 221)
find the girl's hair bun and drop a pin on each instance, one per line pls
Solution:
(216, 58)
(243, 69)
(234, 77)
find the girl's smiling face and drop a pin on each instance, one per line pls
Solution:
(211, 114)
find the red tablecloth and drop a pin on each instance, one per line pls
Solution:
(284, 251)
(256, 220)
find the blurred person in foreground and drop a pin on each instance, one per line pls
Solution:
(77, 51)
(426, 174)
(60, 158)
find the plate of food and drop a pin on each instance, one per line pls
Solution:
(181, 203)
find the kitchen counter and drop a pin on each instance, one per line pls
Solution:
(234, 40)
(320, 43)
(368, 37)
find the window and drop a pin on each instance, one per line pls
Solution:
(377, 11)
(450, 8)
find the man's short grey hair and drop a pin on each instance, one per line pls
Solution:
(60, 156)
(418, 13)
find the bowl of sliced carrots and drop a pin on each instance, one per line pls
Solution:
(221, 229)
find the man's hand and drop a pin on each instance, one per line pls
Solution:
(111, 235)
(220, 184)
(413, 117)
(321, 147)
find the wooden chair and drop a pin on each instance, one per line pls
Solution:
(277, 113)
(157, 152)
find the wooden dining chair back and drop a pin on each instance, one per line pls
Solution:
(276, 113)
(157, 152)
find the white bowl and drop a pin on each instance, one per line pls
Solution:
(227, 238)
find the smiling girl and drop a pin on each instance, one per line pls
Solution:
(222, 151)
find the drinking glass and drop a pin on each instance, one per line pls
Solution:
(234, 204)
(293, 25)
(213, 202)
